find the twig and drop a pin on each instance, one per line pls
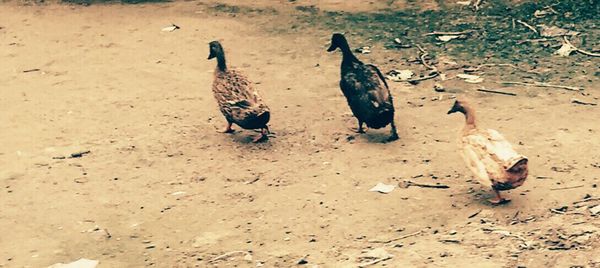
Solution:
(252, 181)
(374, 262)
(539, 84)
(533, 40)
(476, 5)
(227, 255)
(581, 50)
(397, 238)
(576, 101)
(496, 92)
(528, 26)
(31, 70)
(586, 200)
(566, 188)
(449, 33)
(417, 80)
(475, 214)
(422, 57)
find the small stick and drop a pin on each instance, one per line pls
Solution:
(496, 92)
(374, 262)
(396, 239)
(422, 57)
(566, 188)
(475, 214)
(404, 236)
(416, 80)
(533, 40)
(528, 26)
(586, 200)
(449, 33)
(581, 50)
(576, 101)
(539, 84)
(476, 5)
(226, 255)
(31, 70)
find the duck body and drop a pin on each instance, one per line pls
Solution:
(367, 94)
(365, 89)
(493, 160)
(239, 102)
(489, 156)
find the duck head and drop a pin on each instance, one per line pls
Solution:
(337, 41)
(215, 49)
(459, 106)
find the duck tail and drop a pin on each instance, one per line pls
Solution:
(382, 119)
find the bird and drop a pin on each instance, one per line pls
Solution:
(365, 89)
(239, 102)
(489, 155)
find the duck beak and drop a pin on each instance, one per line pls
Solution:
(455, 108)
(211, 55)
(331, 48)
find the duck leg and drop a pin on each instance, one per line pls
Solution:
(360, 128)
(228, 129)
(394, 132)
(498, 200)
(263, 135)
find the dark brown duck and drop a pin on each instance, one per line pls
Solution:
(365, 89)
(237, 99)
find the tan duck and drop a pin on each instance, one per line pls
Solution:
(365, 90)
(237, 99)
(489, 155)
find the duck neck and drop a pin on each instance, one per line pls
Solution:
(347, 55)
(221, 65)
(469, 118)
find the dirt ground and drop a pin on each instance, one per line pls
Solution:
(161, 187)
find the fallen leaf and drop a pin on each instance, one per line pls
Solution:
(81, 263)
(553, 31)
(446, 38)
(565, 50)
(400, 75)
(382, 188)
(469, 78)
(171, 28)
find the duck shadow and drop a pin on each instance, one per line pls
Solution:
(247, 137)
(376, 137)
(483, 196)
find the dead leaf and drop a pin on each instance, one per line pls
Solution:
(554, 31)
(565, 50)
(470, 78)
(171, 28)
(382, 188)
(400, 75)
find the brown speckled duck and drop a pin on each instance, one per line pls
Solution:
(489, 155)
(237, 99)
(365, 89)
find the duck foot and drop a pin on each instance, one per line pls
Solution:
(263, 137)
(394, 133)
(499, 200)
(228, 128)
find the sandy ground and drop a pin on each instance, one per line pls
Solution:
(161, 187)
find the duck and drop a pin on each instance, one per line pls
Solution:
(489, 156)
(239, 102)
(365, 89)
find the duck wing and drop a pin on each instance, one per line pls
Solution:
(367, 94)
(491, 157)
(237, 99)
(381, 77)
